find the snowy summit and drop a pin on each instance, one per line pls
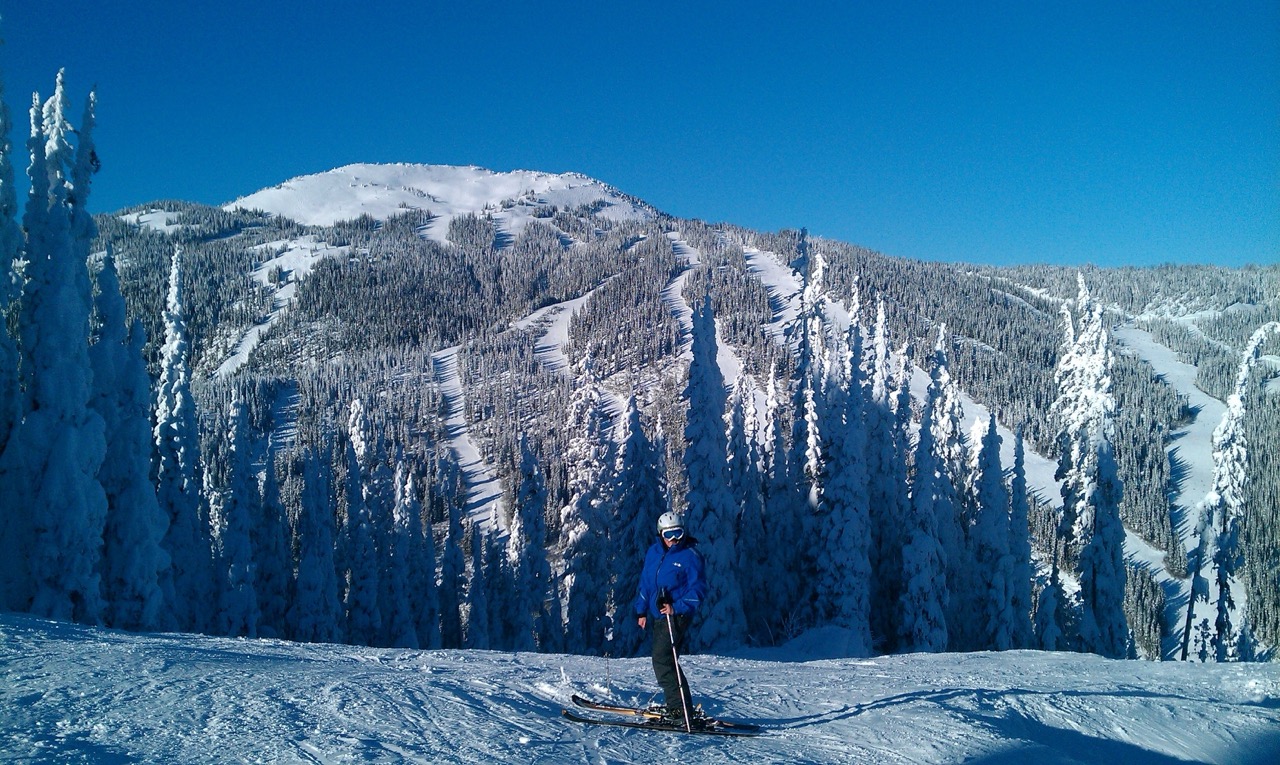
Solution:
(382, 191)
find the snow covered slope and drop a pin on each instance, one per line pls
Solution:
(382, 191)
(74, 694)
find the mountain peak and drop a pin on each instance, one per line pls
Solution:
(383, 190)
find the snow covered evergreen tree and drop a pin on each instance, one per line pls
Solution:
(639, 497)
(363, 585)
(747, 487)
(1217, 604)
(1103, 626)
(133, 558)
(477, 635)
(232, 508)
(1022, 570)
(59, 507)
(990, 542)
(501, 592)
(922, 622)
(809, 440)
(887, 457)
(585, 558)
(400, 628)
(952, 508)
(1091, 486)
(315, 615)
(533, 626)
(424, 599)
(950, 457)
(775, 592)
(189, 589)
(711, 511)
(844, 567)
(274, 563)
(453, 581)
(10, 250)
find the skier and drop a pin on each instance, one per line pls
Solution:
(671, 589)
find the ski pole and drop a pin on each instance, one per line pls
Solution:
(675, 657)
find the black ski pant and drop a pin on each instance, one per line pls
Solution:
(670, 678)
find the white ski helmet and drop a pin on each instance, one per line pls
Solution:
(670, 520)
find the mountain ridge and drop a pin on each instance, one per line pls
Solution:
(383, 189)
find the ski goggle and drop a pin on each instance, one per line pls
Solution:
(672, 535)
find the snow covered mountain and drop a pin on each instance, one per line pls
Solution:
(447, 191)
(73, 694)
(489, 292)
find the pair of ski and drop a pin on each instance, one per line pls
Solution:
(652, 719)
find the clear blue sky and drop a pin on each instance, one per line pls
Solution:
(1065, 132)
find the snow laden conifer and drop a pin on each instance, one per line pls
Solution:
(990, 543)
(274, 563)
(922, 621)
(808, 440)
(189, 588)
(133, 556)
(533, 626)
(453, 579)
(363, 586)
(1022, 569)
(711, 511)
(233, 499)
(1217, 606)
(478, 629)
(747, 486)
(639, 497)
(315, 614)
(424, 598)
(10, 251)
(59, 508)
(951, 455)
(783, 512)
(887, 456)
(810, 436)
(844, 567)
(400, 628)
(584, 575)
(1091, 488)
(499, 589)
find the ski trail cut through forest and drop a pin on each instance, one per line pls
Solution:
(673, 293)
(294, 259)
(484, 491)
(1190, 450)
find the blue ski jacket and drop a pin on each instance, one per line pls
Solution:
(675, 571)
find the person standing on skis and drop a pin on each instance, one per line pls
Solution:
(671, 589)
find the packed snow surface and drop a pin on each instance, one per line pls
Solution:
(445, 191)
(73, 694)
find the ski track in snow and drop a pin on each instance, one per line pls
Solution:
(74, 694)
